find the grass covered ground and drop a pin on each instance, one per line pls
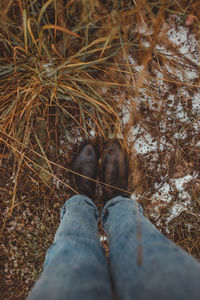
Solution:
(76, 70)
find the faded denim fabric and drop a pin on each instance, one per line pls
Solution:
(143, 263)
(146, 265)
(75, 266)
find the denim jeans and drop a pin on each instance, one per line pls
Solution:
(142, 264)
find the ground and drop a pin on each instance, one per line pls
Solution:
(160, 116)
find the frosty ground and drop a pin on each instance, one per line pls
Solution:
(162, 123)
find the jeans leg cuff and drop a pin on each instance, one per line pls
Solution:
(78, 198)
(118, 200)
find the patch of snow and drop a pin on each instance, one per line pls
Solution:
(163, 126)
(103, 238)
(125, 114)
(179, 104)
(143, 29)
(180, 182)
(56, 183)
(178, 37)
(146, 44)
(48, 69)
(196, 125)
(163, 193)
(181, 114)
(137, 68)
(119, 136)
(171, 97)
(151, 102)
(163, 143)
(61, 152)
(180, 135)
(177, 209)
(190, 49)
(162, 49)
(187, 43)
(191, 73)
(159, 77)
(164, 190)
(145, 144)
(175, 72)
(92, 132)
(196, 102)
(47, 65)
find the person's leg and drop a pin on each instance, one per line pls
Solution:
(75, 265)
(144, 263)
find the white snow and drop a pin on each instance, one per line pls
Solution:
(196, 102)
(163, 193)
(178, 37)
(145, 143)
(180, 182)
(103, 238)
(186, 43)
(177, 209)
(136, 67)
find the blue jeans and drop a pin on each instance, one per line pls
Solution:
(142, 264)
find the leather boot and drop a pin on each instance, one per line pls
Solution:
(85, 163)
(114, 170)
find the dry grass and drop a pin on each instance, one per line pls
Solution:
(66, 75)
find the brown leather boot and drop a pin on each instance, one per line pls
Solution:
(114, 170)
(85, 162)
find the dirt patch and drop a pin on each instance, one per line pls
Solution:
(160, 117)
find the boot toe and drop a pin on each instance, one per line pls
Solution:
(114, 170)
(85, 164)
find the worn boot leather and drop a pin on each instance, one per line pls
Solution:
(114, 170)
(85, 163)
